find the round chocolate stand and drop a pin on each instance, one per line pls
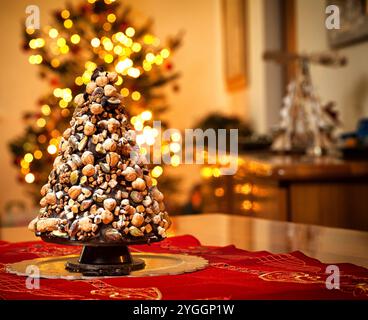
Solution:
(102, 259)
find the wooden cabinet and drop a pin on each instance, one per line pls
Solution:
(324, 191)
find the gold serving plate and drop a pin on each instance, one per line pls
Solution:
(157, 264)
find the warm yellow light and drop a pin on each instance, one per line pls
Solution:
(134, 72)
(24, 171)
(106, 26)
(159, 60)
(107, 44)
(109, 58)
(95, 42)
(136, 47)
(216, 172)
(24, 164)
(146, 66)
(64, 49)
(150, 57)
(30, 31)
(63, 104)
(140, 139)
(165, 53)
(206, 172)
(150, 140)
(54, 141)
(65, 14)
(68, 23)
(124, 92)
(247, 205)
(148, 39)
(92, 1)
(35, 59)
(53, 33)
(41, 122)
(55, 63)
(29, 178)
(157, 171)
(130, 32)
(38, 154)
(136, 95)
(58, 92)
(123, 65)
(111, 18)
(78, 81)
(138, 125)
(46, 110)
(175, 147)
(175, 160)
(118, 49)
(28, 157)
(176, 136)
(75, 38)
(51, 149)
(219, 192)
(119, 81)
(61, 42)
(146, 115)
(165, 149)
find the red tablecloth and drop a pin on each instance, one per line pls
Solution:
(232, 274)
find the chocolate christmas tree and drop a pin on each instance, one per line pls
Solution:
(99, 190)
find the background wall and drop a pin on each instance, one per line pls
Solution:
(347, 86)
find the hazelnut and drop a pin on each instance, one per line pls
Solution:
(88, 170)
(50, 198)
(139, 184)
(109, 90)
(90, 87)
(112, 76)
(85, 224)
(89, 128)
(48, 224)
(109, 145)
(32, 224)
(112, 158)
(44, 189)
(88, 158)
(137, 220)
(102, 81)
(74, 192)
(107, 216)
(67, 133)
(157, 194)
(135, 232)
(148, 228)
(109, 204)
(113, 125)
(79, 100)
(129, 174)
(96, 108)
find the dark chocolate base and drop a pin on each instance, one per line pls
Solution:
(104, 261)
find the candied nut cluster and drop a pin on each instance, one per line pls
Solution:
(99, 188)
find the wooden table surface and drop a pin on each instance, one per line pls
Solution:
(329, 245)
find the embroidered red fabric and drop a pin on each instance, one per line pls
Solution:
(232, 274)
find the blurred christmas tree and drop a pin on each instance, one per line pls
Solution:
(84, 36)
